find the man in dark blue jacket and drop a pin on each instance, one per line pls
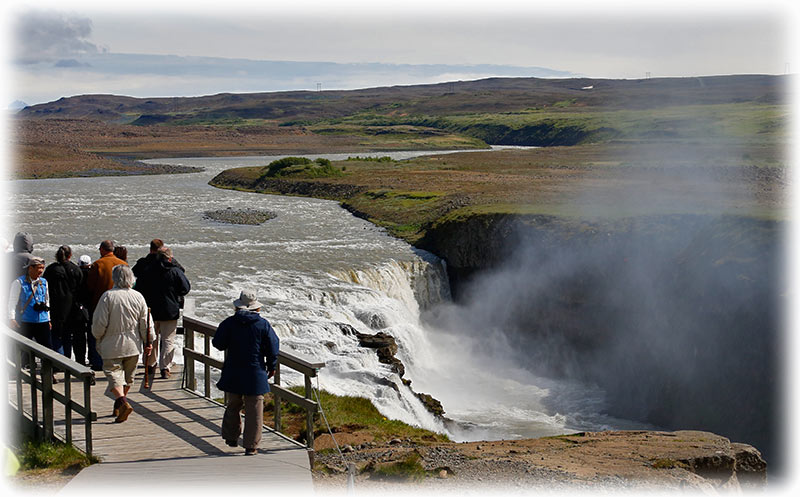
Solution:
(252, 356)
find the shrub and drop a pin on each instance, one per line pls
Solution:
(409, 469)
(276, 165)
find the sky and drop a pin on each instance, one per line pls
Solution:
(175, 48)
(148, 49)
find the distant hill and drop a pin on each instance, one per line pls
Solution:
(493, 95)
(17, 105)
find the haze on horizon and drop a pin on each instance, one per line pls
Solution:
(59, 49)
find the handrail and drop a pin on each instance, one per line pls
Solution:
(51, 361)
(308, 367)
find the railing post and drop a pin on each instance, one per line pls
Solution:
(206, 368)
(188, 338)
(47, 399)
(87, 403)
(276, 399)
(19, 378)
(68, 406)
(34, 397)
(309, 416)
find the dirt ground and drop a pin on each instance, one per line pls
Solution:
(608, 461)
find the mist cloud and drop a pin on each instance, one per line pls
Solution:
(46, 36)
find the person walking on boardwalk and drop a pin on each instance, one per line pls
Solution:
(64, 280)
(163, 285)
(252, 356)
(121, 326)
(98, 281)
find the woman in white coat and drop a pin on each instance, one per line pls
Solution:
(121, 325)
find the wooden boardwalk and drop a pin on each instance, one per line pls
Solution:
(173, 438)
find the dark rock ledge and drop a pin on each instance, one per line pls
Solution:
(386, 347)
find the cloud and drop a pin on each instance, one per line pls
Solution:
(44, 36)
(71, 63)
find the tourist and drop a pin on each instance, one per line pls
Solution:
(83, 341)
(121, 326)
(98, 281)
(64, 280)
(22, 250)
(121, 252)
(155, 244)
(29, 306)
(163, 285)
(251, 347)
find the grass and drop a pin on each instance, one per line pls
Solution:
(349, 414)
(565, 123)
(41, 455)
(666, 463)
(614, 180)
(408, 469)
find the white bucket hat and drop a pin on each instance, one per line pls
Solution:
(247, 300)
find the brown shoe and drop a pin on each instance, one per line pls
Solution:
(250, 452)
(165, 373)
(125, 410)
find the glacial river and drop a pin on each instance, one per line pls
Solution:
(319, 270)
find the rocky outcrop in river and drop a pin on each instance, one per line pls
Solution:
(240, 216)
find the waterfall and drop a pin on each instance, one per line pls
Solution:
(319, 316)
(388, 298)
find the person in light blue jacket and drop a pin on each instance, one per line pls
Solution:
(29, 304)
(252, 356)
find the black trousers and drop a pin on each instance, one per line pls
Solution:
(39, 332)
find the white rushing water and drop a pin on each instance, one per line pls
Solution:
(321, 272)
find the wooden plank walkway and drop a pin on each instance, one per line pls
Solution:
(173, 438)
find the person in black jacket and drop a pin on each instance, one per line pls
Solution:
(163, 285)
(142, 262)
(84, 344)
(251, 347)
(64, 279)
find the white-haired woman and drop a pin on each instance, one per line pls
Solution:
(121, 326)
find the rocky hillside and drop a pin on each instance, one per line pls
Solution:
(493, 95)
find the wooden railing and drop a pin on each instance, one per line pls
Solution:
(21, 355)
(307, 367)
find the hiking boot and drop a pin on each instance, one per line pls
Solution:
(125, 410)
